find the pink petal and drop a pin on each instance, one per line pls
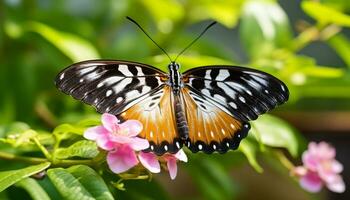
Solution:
(122, 139)
(105, 143)
(149, 161)
(122, 159)
(110, 122)
(172, 167)
(310, 161)
(337, 167)
(326, 151)
(139, 144)
(337, 185)
(94, 132)
(311, 182)
(180, 155)
(134, 127)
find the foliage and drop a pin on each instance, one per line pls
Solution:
(39, 38)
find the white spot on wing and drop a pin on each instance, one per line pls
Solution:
(200, 147)
(207, 74)
(100, 85)
(119, 99)
(124, 69)
(223, 74)
(241, 99)
(62, 76)
(81, 80)
(166, 147)
(249, 92)
(233, 105)
(108, 93)
(232, 126)
(178, 145)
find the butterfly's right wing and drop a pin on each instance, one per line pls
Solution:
(110, 85)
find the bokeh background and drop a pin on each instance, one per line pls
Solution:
(304, 43)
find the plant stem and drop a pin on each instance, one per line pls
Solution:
(36, 160)
(31, 160)
(285, 162)
(42, 148)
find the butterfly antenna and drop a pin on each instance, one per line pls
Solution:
(138, 25)
(199, 36)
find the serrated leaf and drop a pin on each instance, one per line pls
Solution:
(250, 150)
(275, 132)
(264, 27)
(8, 178)
(33, 188)
(325, 14)
(79, 182)
(82, 149)
(73, 46)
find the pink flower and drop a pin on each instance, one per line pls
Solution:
(150, 161)
(120, 139)
(320, 168)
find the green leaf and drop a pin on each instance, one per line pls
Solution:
(250, 150)
(64, 129)
(165, 20)
(325, 14)
(73, 46)
(341, 44)
(8, 178)
(83, 149)
(275, 132)
(211, 178)
(79, 182)
(264, 26)
(222, 11)
(33, 188)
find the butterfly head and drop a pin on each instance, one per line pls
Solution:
(174, 66)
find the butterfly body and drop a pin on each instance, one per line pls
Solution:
(206, 108)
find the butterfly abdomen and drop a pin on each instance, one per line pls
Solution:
(181, 122)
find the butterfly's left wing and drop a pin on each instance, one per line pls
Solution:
(220, 100)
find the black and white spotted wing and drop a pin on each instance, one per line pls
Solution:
(110, 86)
(241, 92)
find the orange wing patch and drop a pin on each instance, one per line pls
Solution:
(156, 113)
(210, 128)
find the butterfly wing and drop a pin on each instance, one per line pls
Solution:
(210, 128)
(110, 85)
(240, 92)
(156, 113)
(220, 100)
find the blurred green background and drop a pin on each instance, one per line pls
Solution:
(304, 43)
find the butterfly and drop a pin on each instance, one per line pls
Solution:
(206, 108)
